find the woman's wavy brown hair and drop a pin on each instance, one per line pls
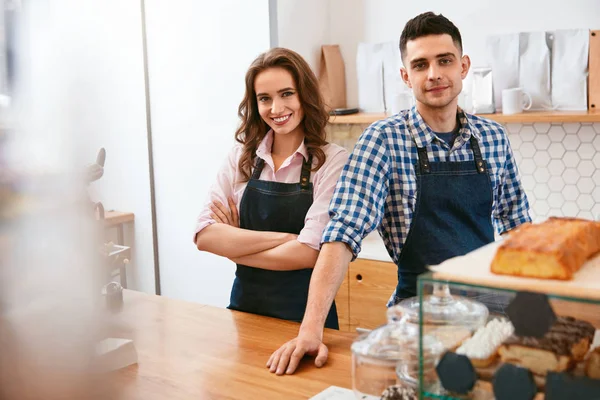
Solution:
(253, 128)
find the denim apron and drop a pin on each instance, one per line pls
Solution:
(275, 207)
(453, 215)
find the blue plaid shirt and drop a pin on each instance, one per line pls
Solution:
(378, 186)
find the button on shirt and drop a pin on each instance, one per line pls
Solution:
(378, 186)
(228, 184)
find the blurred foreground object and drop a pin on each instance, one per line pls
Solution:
(52, 313)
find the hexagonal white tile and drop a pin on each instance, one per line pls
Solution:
(556, 167)
(514, 128)
(570, 209)
(527, 166)
(596, 194)
(556, 183)
(541, 208)
(585, 214)
(515, 140)
(586, 168)
(518, 156)
(557, 133)
(596, 142)
(585, 185)
(570, 176)
(571, 159)
(555, 212)
(527, 150)
(541, 191)
(528, 183)
(570, 192)
(585, 202)
(571, 142)
(541, 127)
(541, 175)
(597, 127)
(596, 212)
(596, 177)
(586, 151)
(571, 127)
(556, 150)
(586, 134)
(597, 160)
(541, 142)
(541, 158)
(556, 200)
(527, 133)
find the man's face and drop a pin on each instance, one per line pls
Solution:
(434, 69)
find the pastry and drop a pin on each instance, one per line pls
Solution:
(482, 347)
(554, 249)
(592, 364)
(398, 392)
(566, 343)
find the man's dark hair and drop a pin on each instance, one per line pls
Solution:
(428, 24)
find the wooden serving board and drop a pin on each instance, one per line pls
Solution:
(474, 268)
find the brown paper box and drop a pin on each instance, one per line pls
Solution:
(332, 77)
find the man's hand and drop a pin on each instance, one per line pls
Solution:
(288, 356)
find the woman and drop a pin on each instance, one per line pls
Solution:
(281, 177)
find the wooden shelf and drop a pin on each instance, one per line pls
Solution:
(113, 218)
(522, 118)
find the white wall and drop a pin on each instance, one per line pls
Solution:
(87, 86)
(198, 54)
(383, 20)
(303, 26)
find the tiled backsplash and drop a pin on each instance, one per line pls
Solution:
(559, 165)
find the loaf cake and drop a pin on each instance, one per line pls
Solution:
(566, 343)
(592, 364)
(554, 249)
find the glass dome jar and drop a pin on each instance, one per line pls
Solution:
(389, 355)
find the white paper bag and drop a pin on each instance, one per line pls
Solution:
(502, 53)
(369, 69)
(534, 68)
(570, 49)
(393, 86)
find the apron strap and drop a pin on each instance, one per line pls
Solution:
(305, 173)
(480, 164)
(258, 167)
(423, 160)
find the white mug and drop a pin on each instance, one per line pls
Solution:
(515, 100)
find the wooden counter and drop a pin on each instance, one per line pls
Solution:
(528, 117)
(191, 351)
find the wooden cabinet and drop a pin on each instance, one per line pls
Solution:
(362, 298)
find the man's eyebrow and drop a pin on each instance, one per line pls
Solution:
(441, 55)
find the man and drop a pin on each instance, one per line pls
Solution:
(433, 180)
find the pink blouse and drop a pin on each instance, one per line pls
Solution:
(324, 180)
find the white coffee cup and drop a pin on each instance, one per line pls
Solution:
(515, 100)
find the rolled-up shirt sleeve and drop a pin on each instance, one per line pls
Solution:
(513, 207)
(221, 189)
(358, 203)
(324, 183)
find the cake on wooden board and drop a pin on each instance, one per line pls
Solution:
(554, 249)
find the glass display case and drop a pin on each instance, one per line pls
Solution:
(539, 340)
